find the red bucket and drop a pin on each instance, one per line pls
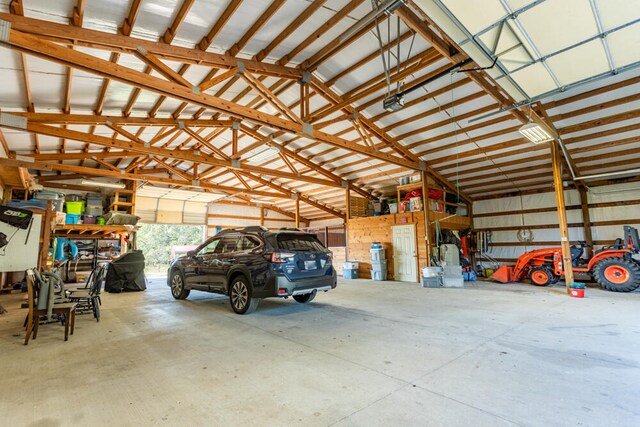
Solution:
(577, 293)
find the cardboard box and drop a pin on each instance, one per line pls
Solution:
(416, 204)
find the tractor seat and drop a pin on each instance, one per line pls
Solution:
(618, 244)
(576, 252)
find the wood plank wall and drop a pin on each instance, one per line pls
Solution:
(361, 232)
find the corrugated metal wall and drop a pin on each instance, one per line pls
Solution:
(610, 207)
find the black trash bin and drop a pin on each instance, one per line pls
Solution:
(126, 273)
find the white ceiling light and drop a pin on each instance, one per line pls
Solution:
(264, 155)
(103, 184)
(535, 133)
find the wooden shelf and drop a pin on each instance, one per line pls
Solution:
(90, 231)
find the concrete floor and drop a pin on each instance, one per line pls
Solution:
(366, 354)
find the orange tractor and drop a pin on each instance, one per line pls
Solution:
(613, 267)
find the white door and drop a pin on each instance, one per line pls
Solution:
(405, 256)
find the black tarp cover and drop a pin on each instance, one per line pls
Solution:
(126, 273)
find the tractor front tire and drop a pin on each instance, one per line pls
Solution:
(541, 276)
(617, 274)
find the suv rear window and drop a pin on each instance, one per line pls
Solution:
(299, 242)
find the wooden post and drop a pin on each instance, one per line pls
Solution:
(347, 218)
(261, 215)
(586, 219)
(45, 237)
(347, 193)
(7, 194)
(562, 215)
(302, 100)
(297, 212)
(234, 138)
(426, 209)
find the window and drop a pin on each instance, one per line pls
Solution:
(210, 248)
(249, 242)
(229, 244)
(299, 242)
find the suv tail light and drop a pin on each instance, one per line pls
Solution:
(281, 257)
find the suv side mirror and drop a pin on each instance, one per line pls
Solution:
(191, 254)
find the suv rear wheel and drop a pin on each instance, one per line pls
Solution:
(240, 296)
(177, 285)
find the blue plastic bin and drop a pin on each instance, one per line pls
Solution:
(350, 274)
(72, 219)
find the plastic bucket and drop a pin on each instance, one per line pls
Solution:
(576, 293)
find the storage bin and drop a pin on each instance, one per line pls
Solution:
(377, 255)
(75, 208)
(58, 205)
(393, 208)
(350, 274)
(452, 270)
(379, 265)
(379, 275)
(432, 282)
(101, 221)
(93, 210)
(94, 201)
(350, 265)
(452, 282)
(430, 272)
(72, 219)
(88, 219)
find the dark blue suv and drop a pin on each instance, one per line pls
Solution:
(252, 263)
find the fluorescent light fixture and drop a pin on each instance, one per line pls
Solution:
(535, 133)
(264, 155)
(103, 184)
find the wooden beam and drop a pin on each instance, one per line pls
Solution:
(86, 62)
(187, 155)
(562, 214)
(90, 119)
(163, 69)
(85, 171)
(171, 32)
(68, 34)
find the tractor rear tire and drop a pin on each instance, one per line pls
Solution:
(541, 276)
(617, 274)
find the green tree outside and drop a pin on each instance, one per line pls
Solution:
(156, 241)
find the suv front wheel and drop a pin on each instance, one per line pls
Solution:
(177, 285)
(240, 296)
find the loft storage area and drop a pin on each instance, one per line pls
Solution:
(416, 204)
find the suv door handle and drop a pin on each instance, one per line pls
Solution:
(231, 260)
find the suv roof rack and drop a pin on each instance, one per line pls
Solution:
(254, 228)
(249, 229)
(291, 229)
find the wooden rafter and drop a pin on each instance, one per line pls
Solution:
(121, 43)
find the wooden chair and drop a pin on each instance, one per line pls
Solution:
(68, 310)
